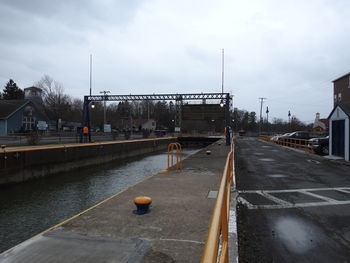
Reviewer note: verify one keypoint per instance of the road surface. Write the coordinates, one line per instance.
(292, 206)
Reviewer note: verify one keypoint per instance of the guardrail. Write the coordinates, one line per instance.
(264, 138)
(292, 142)
(179, 134)
(216, 245)
(296, 143)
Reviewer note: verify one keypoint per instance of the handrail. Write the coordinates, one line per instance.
(220, 217)
(296, 143)
(171, 147)
(304, 144)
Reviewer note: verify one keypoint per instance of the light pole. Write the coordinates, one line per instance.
(267, 119)
(289, 120)
(90, 74)
(104, 92)
(222, 73)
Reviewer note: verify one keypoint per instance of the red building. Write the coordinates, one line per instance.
(339, 119)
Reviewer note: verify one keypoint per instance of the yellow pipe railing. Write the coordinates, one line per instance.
(171, 148)
(220, 218)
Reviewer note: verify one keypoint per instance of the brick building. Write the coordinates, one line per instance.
(339, 118)
(341, 89)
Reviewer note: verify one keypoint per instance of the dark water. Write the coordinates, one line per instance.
(29, 208)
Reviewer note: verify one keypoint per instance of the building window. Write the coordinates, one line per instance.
(339, 96)
(28, 123)
(335, 97)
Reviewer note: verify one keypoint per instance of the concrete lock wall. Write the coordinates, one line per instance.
(25, 164)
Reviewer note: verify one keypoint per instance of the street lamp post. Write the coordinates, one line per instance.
(290, 125)
(104, 92)
(267, 119)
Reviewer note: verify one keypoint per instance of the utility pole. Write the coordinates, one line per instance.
(261, 105)
(267, 119)
(104, 92)
(90, 74)
(222, 72)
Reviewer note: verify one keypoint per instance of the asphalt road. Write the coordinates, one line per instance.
(292, 206)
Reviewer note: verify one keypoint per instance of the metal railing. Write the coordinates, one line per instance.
(178, 151)
(196, 134)
(303, 144)
(216, 245)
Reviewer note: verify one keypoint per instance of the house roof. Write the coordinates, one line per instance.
(325, 121)
(8, 107)
(347, 74)
(33, 88)
(345, 106)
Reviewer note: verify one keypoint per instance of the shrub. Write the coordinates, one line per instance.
(145, 133)
(127, 135)
(33, 138)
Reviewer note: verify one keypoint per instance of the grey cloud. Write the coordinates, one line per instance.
(77, 13)
(58, 22)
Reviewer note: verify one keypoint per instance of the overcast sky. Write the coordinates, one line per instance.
(286, 51)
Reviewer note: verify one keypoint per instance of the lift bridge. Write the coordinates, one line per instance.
(224, 98)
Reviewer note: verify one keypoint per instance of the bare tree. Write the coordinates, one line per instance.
(57, 105)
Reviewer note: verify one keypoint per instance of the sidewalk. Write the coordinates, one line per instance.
(174, 231)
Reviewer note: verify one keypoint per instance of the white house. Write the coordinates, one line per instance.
(144, 124)
(149, 124)
(339, 131)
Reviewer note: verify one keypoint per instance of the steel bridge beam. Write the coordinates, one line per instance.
(192, 96)
(179, 98)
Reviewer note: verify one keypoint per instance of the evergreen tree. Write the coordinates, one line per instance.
(12, 91)
(252, 123)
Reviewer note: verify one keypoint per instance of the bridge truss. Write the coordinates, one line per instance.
(224, 98)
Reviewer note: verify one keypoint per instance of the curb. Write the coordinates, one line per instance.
(232, 228)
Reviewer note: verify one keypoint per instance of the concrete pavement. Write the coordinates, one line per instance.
(174, 231)
(293, 206)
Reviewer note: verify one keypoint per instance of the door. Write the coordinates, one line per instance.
(338, 138)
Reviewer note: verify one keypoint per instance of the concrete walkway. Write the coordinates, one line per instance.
(174, 231)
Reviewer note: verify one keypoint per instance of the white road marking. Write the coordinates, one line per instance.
(318, 196)
(295, 190)
(282, 204)
(245, 202)
(312, 204)
(274, 198)
(343, 191)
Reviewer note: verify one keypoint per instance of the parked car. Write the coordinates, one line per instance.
(299, 135)
(320, 145)
(278, 136)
